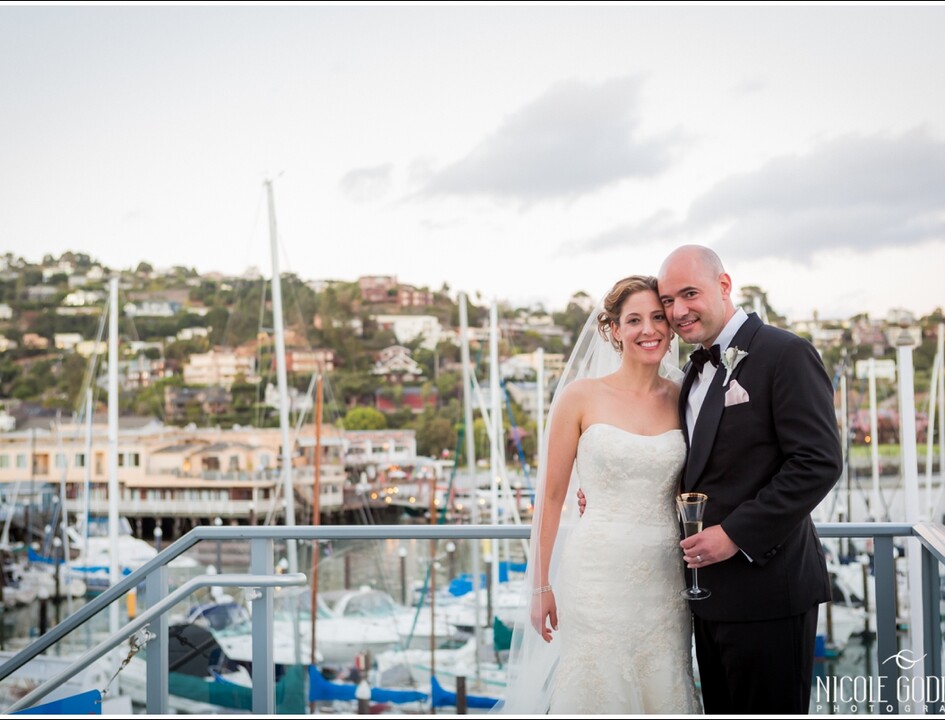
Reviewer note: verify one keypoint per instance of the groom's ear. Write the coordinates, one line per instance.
(725, 283)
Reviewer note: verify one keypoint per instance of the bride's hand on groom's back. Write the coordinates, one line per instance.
(582, 502)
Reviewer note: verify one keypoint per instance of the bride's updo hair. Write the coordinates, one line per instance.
(614, 301)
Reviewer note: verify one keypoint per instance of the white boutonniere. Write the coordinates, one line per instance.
(730, 360)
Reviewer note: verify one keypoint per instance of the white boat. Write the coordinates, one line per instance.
(508, 604)
(414, 628)
(42, 668)
(338, 640)
(398, 667)
(94, 559)
(24, 583)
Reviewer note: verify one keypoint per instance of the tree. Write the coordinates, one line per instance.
(71, 374)
(434, 435)
(364, 418)
(753, 294)
(572, 319)
(354, 388)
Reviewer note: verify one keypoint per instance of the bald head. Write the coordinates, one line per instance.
(696, 292)
(698, 258)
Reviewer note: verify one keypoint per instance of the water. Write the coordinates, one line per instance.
(855, 667)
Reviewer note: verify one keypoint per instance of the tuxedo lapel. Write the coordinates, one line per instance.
(703, 434)
(690, 377)
(707, 424)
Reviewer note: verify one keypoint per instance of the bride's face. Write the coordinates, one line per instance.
(643, 328)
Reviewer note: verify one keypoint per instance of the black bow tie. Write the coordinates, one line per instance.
(701, 356)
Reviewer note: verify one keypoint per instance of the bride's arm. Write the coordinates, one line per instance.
(563, 436)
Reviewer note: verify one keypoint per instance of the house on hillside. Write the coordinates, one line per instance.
(378, 288)
(395, 365)
(220, 367)
(411, 397)
(411, 327)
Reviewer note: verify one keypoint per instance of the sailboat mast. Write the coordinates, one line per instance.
(540, 400)
(941, 409)
(910, 481)
(874, 446)
(495, 466)
(114, 567)
(316, 504)
(471, 465)
(288, 490)
(87, 474)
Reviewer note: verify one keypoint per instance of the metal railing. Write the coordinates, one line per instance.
(154, 574)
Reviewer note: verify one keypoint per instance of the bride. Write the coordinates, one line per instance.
(610, 633)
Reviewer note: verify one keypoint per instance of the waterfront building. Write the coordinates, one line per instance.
(169, 476)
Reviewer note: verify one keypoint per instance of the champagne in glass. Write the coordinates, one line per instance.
(691, 508)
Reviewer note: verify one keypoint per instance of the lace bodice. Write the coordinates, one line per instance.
(630, 478)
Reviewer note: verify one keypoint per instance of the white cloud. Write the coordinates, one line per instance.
(858, 193)
(574, 139)
(368, 183)
(659, 227)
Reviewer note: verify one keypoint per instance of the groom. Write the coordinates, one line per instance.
(756, 406)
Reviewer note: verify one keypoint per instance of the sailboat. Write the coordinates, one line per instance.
(93, 563)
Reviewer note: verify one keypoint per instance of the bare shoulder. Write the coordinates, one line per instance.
(579, 392)
(671, 388)
(578, 396)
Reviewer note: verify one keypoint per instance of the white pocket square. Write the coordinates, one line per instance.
(736, 394)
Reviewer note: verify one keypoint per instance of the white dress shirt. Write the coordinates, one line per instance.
(700, 386)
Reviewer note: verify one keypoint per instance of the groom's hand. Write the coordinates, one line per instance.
(582, 502)
(710, 546)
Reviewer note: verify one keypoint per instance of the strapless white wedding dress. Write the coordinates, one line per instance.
(624, 629)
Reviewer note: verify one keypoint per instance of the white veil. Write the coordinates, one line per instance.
(532, 661)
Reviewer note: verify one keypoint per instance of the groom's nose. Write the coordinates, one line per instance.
(680, 310)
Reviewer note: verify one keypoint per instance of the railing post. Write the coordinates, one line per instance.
(155, 590)
(264, 670)
(932, 623)
(887, 644)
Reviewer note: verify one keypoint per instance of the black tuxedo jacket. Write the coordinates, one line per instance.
(765, 464)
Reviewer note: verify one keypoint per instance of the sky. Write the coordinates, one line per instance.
(516, 153)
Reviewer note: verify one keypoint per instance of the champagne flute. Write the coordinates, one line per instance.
(691, 507)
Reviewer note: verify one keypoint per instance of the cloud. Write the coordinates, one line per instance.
(574, 139)
(658, 227)
(369, 183)
(859, 193)
(750, 86)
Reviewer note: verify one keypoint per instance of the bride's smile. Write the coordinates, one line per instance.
(643, 324)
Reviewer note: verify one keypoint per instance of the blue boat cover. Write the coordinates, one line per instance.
(445, 698)
(87, 703)
(321, 689)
